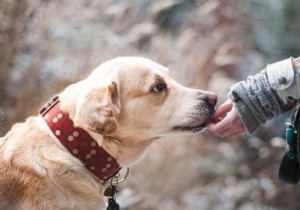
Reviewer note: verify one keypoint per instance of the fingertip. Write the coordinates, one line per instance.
(223, 109)
(211, 126)
(217, 120)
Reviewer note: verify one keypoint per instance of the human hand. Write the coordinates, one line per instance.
(230, 126)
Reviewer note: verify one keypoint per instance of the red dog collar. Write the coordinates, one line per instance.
(78, 142)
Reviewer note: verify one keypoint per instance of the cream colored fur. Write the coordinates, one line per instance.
(123, 108)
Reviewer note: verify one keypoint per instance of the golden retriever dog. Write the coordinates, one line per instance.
(61, 158)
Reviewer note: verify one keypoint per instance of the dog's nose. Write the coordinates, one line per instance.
(211, 98)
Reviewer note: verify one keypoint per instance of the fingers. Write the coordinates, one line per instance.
(223, 109)
(234, 135)
(222, 129)
(215, 120)
(225, 129)
(230, 126)
(232, 132)
(218, 127)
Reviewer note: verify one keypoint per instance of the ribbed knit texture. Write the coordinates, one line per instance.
(256, 101)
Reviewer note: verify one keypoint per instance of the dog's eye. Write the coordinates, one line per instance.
(159, 87)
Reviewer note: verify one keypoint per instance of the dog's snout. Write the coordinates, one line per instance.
(211, 99)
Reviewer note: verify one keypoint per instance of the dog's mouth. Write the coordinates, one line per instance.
(193, 129)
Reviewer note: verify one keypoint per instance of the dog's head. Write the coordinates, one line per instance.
(135, 97)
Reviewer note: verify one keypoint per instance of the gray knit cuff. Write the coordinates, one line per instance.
(256, 101)
(248, 120)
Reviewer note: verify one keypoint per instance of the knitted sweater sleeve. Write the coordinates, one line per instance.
(257, 100)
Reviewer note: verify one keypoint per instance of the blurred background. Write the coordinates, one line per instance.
(207, 44)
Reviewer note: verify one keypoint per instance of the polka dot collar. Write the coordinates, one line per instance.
(78, 142)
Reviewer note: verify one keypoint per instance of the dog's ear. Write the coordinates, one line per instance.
(97, 109)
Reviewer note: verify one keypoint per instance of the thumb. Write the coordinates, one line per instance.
(223, 109)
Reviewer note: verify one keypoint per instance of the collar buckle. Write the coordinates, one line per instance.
(54, 100)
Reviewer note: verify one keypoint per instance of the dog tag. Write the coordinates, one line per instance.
(110, 191)
(112, 204)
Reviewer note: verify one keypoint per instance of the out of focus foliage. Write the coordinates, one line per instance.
(207, 44)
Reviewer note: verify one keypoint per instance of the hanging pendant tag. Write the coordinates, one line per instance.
(112, 204)
(111, 191)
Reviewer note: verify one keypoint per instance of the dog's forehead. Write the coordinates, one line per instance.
(140, 75)
(129, 65)
(138, 64)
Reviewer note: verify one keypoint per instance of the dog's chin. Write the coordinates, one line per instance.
(190, 129)
(194, 127)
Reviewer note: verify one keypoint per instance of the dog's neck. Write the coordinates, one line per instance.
(78, 142)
